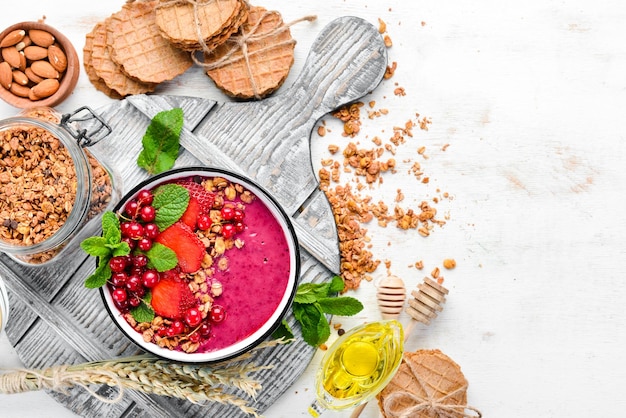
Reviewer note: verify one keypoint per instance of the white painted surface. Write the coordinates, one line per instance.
(530, 96)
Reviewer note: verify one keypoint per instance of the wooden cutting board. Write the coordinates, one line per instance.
(55, 320)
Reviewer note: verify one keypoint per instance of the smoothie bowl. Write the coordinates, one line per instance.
(212, 269)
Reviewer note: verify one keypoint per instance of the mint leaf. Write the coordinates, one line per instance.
(283, 331)
(100, 276)
(95, 246)
(310, 292)
(161, 142)
(343, 306)
(121, 248)
(143, 312)
(170, 202)
(111, 228)
(310, 318)
(336, 285)
(323, 328)
(161, 258)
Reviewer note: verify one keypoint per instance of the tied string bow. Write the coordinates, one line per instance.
(417, 404)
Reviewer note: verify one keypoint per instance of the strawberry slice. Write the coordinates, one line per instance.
(191, 213)
(171, 298)
(198, 192)
(187, 246)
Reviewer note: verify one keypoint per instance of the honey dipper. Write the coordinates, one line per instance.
(391, 294)
(423, 307)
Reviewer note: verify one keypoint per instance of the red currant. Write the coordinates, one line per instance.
(145, 197)
(227, 213)
(141, 292)
(147, 213)
(117, 264)
(131, 242)
(194, 338)
(170, 332)
(193, 317)
(205, 329)
(119, 295)
(239, 226)
(217, 313)
(122, 306)
(140, 260)
(144, 244)
(150, 278)
(125, 229)
(151, 231)
(162, 331)
(238, 215)
(135, 230)
(131, 208)
(204, 222)
(133, 283)
(177, 327)
(134, 301)
(228, 230)
(119, 279)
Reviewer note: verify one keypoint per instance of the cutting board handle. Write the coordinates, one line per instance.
(347, 61)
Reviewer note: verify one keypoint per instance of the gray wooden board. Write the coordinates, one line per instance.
(55, 320)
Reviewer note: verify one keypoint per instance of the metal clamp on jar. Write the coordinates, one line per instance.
(50, 185)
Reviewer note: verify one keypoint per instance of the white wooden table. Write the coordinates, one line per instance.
(530, 98)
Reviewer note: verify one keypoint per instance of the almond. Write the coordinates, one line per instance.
(13, 38)
(20, 78)
(19, 90)
(44, 69)
(57, 58)
(41, 37)
(32, 76)
(12, 56)
(6, 76)
(35, 53)
(22, 65)
(46, 88)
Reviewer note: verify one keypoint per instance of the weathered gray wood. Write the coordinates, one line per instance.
(56, 320)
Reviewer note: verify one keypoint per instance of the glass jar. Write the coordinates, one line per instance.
(50, 185)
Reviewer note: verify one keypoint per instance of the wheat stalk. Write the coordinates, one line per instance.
(197, 383)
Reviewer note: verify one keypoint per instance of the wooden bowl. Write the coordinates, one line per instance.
(68, 78)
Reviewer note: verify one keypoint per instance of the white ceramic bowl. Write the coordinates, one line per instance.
(286, 298)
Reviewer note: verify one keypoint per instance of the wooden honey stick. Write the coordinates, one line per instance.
(426, 303)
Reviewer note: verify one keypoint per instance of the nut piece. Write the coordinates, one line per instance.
(6, 75)
(57, 58)
(12, 38)
(46, 88)
(35, 53)
(12, 56)
(449, 263)
(41, 37)
(44, 69)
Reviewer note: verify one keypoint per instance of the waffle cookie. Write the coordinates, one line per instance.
(97, 61)
(267, 44)
(136, 45)
(184, 25)
(428, 384)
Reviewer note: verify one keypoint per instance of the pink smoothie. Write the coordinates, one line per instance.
(255, 280)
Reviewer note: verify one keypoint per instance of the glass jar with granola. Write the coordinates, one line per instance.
(50, 185)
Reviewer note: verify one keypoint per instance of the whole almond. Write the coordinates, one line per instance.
(57, 58)
(12, 56)
(44, 69)
(41, 37)
(32, 76)
(20, 78)
(35, 53)
(13, 38)
(19, 90)
(46, 88)
(6, 76)
(22, 65)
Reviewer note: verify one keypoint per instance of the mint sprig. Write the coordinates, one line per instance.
(161, 141)
(144, 312)
(108, 245)
(311, 304)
